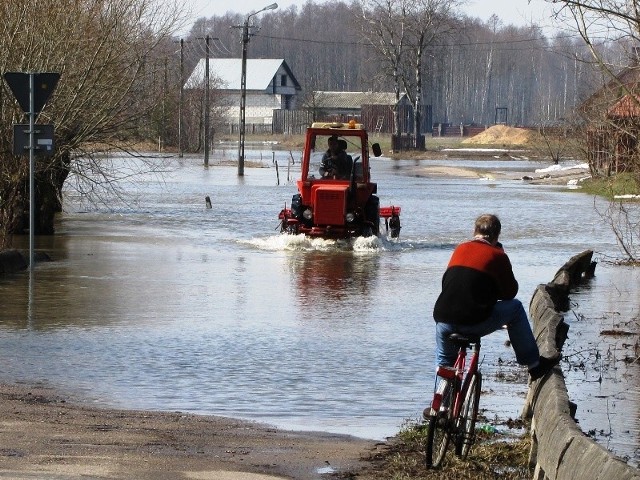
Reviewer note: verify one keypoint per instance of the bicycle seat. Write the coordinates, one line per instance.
(462, 340)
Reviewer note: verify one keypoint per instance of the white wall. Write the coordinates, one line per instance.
(258, 109)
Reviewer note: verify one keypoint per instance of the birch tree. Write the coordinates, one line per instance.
(401, 31)
(383, 24)
(429, 21)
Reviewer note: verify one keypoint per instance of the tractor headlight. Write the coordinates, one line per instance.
(350, 217)
(307, 214)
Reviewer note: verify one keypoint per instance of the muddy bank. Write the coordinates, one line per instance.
(552, 177)
(45, 435)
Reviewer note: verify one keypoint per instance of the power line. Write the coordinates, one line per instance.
(442, 45)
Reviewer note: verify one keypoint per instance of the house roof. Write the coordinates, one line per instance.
(228, 71)
(352, 100)
(614, 89)
(627, 107)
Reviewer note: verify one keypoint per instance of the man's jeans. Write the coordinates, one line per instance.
(506, 312)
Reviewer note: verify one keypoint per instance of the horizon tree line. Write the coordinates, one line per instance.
(122, 70)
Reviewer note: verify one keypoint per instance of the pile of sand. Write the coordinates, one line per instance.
(502, 135)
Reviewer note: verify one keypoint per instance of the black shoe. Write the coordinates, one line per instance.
(544, 367)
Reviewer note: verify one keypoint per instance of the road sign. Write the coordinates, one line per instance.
(43, 86)
(43, 139)
(32, 90)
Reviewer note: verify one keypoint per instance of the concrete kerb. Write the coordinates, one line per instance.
(616, 468)
(583, 460)
(559, 449)
(554, 431)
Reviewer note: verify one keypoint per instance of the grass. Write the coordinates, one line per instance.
(491, 457)
(608, 187)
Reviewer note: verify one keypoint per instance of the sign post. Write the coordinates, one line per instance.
(32, 168)
(32, 90)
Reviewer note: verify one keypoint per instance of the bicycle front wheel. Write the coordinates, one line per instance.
(466, 422)
(439, 429)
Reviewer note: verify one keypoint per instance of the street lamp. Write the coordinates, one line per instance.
(243, 86)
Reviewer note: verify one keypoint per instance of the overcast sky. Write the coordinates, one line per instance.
(517, 12)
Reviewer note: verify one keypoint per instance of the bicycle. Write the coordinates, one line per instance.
(454, 408)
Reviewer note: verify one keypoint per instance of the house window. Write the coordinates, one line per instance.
(283, 80)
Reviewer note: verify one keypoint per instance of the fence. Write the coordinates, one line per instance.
(250, 128)
(407, 142)
(291, 122)
(449, 130)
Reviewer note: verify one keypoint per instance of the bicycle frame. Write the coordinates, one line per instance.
(461, 377)
(454, 407)
(459, 366)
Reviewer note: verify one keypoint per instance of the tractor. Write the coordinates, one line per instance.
(336, 198)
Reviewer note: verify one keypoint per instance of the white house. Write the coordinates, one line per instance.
(270, 86)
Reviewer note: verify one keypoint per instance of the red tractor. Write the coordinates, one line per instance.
(336, 198)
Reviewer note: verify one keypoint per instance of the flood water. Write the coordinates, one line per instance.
(153, 301)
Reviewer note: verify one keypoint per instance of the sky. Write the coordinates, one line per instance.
(517, 12)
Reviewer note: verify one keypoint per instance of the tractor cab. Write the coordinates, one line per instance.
(336, 197)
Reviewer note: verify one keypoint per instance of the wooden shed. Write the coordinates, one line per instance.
(373, 109)
(612, 119)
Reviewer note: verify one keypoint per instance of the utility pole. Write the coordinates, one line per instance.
(243, 97)
(206, 105)
(243, 86)
(165, 91)
(180, 151)
(181, 100)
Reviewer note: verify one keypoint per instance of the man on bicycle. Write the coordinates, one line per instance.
(478, 298)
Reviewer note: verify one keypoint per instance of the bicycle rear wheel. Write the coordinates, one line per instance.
(466, 421)
(439, 428)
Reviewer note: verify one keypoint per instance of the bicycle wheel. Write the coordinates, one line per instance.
(439, 429)
(466, 421)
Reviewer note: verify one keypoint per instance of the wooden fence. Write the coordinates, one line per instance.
(375, 118)
(250, 129)
(407, 142)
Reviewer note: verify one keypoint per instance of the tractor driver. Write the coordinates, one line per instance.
(335, 163)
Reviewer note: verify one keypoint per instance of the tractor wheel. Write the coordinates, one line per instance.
(372, 214)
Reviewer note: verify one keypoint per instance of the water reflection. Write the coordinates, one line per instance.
(602, 352)
(164, 304)
(324, 281)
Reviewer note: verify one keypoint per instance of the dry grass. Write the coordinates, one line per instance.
(491, 457)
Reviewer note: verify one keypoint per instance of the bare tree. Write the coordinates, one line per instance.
(383, 24)
(612, 114)
(625, 224)
(106, 53)
(466, 72)
(430, 21)
(401, 31)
